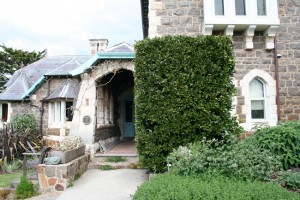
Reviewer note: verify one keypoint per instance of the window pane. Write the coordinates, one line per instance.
(257, 109)
(219, 7)
(240, 7)
(4, 112)
(256, 89)
(261, 7)
(69, 111)
(52, 111)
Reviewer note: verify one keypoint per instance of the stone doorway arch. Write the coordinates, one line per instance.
(100, 90)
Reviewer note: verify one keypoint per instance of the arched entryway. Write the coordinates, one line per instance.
(115, 106)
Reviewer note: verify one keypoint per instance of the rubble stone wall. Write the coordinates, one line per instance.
(56, 178)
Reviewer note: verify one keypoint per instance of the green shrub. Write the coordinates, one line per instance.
(183, 92)
(172, 187)
(25, 189)
(290, 179)
(241, 159)
(283, 140)
(14, 165)
(25, 122)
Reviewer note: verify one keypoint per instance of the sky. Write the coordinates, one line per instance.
(64, 27)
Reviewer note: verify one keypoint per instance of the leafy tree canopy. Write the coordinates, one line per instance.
(12, 59)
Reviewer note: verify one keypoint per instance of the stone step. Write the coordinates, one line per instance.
(130, 163)
(115, 155)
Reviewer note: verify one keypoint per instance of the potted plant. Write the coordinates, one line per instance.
(68, 149)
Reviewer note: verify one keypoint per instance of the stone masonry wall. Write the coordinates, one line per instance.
(175, 17)
(289, 63)
(245, 61)
(40, 94)
(34, 106)
(55, 178)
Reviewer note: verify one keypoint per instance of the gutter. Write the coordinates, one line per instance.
(101, 56)
(34, 87)
(277, 80)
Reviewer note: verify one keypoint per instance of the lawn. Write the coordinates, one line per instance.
(6, 179)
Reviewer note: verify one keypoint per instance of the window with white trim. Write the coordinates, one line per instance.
(242, 15)
(257, 99)
(60, 111)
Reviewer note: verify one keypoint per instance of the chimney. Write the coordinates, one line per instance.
(98, 45)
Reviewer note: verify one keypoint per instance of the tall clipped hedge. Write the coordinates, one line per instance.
(183, 92)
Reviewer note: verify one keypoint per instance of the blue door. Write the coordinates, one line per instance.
(129, 130)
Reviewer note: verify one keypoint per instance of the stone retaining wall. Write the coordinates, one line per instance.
(55, 178)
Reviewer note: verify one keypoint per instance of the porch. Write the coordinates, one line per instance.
(124, 148)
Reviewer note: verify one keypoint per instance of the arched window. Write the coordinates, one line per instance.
(257, 98)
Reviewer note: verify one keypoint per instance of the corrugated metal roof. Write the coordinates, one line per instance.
(66, 90)
(19, 87)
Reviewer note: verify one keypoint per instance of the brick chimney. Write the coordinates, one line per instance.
(98, 45)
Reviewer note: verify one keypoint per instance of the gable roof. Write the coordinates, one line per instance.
(122, 47)
(119, 51)
(26, 80)
(66, 90)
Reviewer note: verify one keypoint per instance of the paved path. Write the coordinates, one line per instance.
(95, 184)
(105, 185)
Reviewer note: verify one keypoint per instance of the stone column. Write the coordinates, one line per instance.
(106, 106)
(111, 108)
(100, 105)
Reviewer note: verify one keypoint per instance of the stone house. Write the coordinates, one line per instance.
(90, 96)
(266, 41)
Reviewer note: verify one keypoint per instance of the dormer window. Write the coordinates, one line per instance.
(219, 7)
(240, 8)
(261, 7)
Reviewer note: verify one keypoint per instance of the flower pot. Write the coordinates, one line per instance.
(67, 156)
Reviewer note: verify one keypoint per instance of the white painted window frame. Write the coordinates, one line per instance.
(271, 117)
(251, 11)
(266, 113)
(230, 18)
(57, 114)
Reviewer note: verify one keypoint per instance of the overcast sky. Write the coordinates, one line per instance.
(63, 27)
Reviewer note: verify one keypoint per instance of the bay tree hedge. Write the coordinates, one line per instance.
(183, 93)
